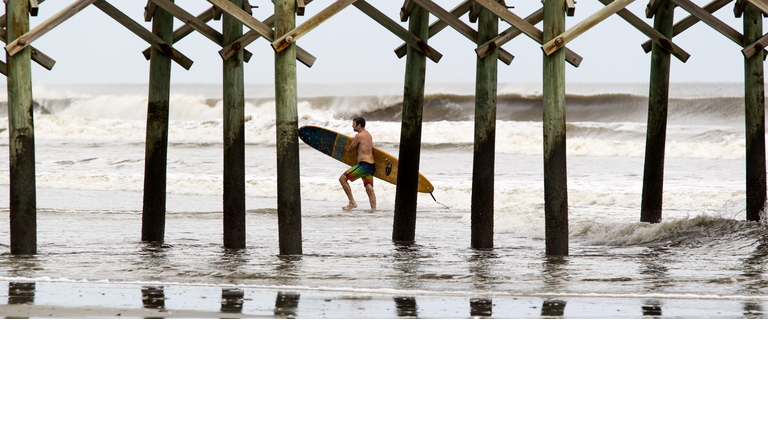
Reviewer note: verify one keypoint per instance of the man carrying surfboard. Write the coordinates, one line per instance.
(365, 167)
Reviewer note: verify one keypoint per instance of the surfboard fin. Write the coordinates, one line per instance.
(433, 197)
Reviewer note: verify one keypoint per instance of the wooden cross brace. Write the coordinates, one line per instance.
(458, 25)
(582, 27)
(524, 26)
(37, 56)
(399, 31)
(654, 34)
(196, 23)
(27, 38)
(259, 27)
(751, 49)
(437, 26)
(688, 22)
(292, 36)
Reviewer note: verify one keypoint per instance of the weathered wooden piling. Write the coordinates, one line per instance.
(483, 165)
(287, 115)
(404, 225)
(155, 163)
(658, 102)
(234, 137)
(21, 130)
(754, 104)
(555, 171)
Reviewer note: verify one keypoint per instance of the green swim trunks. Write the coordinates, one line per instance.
(362, 170)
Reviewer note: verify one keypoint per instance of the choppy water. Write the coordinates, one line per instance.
(90, 166)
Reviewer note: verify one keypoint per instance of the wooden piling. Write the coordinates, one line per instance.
(155, 163)
(21, 131)
(234, 137)
(485, 135)
(287, 134)
(404, 225)
(754, 104)
(555, 171)
(656, 135)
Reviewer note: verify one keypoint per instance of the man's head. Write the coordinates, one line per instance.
(358, 121)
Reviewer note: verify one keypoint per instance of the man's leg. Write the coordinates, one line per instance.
(371, 195)
(347, 190)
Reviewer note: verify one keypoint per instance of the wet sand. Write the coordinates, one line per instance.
(71, 300)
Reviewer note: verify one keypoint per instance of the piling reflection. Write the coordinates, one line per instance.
(482, 268)
(286, 305)
(21, 293)
(553, 308)
(554, 271)
(153, 298)
(652, 308)
(406, 307)
(288, 268)
(407, 260)
(480, 308)
(753, 310)
(232, 300)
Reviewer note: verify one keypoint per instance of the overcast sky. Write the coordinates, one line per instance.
(352, 48)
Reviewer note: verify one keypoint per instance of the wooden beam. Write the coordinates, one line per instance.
(474, 12)
(185, 30)
(149, 11)
(292, 36)
(651, 32)
(34, 6)
(761, 5)
(689, 21)
(508, 34)
(37, 56)
(248, 8)
(750, 50)
(398, 31)
(406, 10)
(217, 13)
(650, 10)
(259, 27)
(580, 28)
(300, 7)
(195, 23)
(243, 41)
(459, 25)
(439, 25)
(26, 39)
(570, 7)
(738, 8)
(527, 28)
(711, 21)
(3, 68)
(143, 33)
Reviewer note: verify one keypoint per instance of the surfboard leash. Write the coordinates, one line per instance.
(433, 197)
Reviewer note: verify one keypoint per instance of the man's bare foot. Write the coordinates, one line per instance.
(349, 206)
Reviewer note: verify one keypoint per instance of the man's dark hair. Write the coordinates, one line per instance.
(359, 120)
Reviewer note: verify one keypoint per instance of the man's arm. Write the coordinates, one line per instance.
(355, 142)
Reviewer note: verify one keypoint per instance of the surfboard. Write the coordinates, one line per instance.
(335, 145)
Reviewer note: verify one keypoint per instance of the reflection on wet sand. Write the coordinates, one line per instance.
(232, 300)
(480, 308)
(406, 307)
(553, 308)
(153, 298)
(286, 305)
(753, 310)
(21, 293)
(652, 308)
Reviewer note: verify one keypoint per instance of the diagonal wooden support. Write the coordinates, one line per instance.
(196, 24)
(649, 31)
(405, 11)
(711, 21)
(527, 28)
(459, 25)
(263, 30)
(27, 38)
(230, 50)
(143, 33)
(653, 6)
(580, 28)
(400, 32)
(37, 56)
(508, 34)
(149, 11)
(322, 16)
(3, 68)
(438, 25)
(185, 30)
(689, 21)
